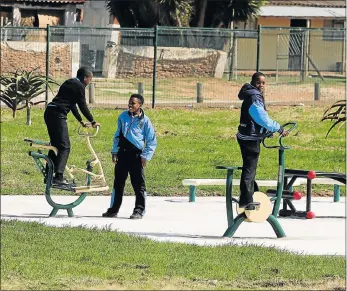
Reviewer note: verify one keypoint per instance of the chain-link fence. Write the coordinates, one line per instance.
(174, 66)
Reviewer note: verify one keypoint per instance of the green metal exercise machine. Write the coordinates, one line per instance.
(46, 167)
(266, 211)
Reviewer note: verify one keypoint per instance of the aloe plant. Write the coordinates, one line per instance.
(336, 113)
(23, 86)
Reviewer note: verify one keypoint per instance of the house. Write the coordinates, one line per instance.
(59, 13)
(286, 44)
(39, 13)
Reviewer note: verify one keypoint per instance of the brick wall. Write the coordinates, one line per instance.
(123, 62)
(29, 55)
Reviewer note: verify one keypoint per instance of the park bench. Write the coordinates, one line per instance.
(194, 183)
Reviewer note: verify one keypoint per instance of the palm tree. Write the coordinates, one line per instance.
(148, 13)
(222, 13)
(195, 13)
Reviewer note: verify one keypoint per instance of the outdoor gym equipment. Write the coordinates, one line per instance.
(293, 174)
(265, 211)
(46, 167)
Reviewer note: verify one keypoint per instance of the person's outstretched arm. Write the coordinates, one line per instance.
(261, 117)
(82, 104)
(75, 112)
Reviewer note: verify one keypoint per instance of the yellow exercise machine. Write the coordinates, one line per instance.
(95, 182)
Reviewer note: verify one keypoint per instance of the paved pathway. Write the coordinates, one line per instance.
(203, 222)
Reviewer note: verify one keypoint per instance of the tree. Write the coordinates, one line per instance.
(148, 13)
(336, 113)
(195, 13)
(22, 86)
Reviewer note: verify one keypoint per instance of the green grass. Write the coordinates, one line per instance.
(191, 142)
(183, 90)
(35, 257)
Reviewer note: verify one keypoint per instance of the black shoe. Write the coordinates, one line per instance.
(136, 215)
(60, 181)
(252, 206)
(109, 214)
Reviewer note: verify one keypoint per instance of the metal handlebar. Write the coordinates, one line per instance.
(86, 133)
(293, 125)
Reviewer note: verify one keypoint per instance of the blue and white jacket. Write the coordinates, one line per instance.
(254, 120)
(138, 130)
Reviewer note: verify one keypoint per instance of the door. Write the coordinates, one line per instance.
(296, 44)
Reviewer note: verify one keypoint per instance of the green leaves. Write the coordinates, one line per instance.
(336, 113)
(182, 13)
(22, 86)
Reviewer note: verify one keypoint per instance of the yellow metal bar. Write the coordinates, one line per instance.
(45, 147)
(88, 189)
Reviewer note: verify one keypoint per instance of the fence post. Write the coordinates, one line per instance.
(199, 93)
(91, 93)
(316, 91)
(140, 88)
(258, 48)
(155, 64)
(306, 52)
(47, 62)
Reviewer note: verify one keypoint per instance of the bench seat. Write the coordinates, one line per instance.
(193, 183)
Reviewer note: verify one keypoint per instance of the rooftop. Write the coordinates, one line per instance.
(308, 3)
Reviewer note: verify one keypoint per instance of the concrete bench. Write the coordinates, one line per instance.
(325, 181)
(193, 183)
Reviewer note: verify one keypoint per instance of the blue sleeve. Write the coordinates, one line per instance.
(150, 141)
(116, 137)
(262, 118)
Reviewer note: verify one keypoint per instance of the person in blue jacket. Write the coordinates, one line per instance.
(134, 144)
(255, 123)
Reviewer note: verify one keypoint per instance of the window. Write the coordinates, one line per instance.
(333, 30)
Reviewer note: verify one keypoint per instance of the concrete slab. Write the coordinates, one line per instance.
(175, 219)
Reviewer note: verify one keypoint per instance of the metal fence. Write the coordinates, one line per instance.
(174, 66)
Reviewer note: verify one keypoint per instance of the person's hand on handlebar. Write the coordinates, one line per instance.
(83, 124)
(95, 124)
(284, 133)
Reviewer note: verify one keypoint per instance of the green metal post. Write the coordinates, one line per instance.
(236, 223)
(276, 226)
(192, 191)
(280, 182)
(228, 197)
(49, 175)
(336, 193)
(47, 61)
(155, 64)
(258, 48)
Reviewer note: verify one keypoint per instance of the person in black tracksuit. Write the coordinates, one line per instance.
(255, 123)
(70, 94)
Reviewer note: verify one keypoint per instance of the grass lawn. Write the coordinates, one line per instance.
(35, 257)
(191, 142)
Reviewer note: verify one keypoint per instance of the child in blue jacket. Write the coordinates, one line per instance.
(254, 124)
(134, 144)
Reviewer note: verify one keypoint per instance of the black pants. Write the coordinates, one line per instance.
(59, 138)
(250, 151)
(129, 162)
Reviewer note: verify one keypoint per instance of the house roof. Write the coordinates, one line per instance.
(302, 12)
(308, 3)
(53, 1)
